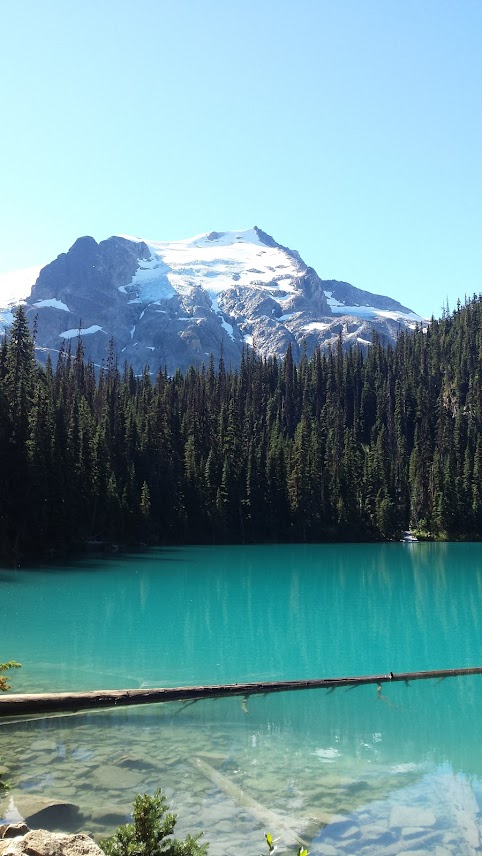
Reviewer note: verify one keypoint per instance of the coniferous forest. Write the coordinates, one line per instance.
(342, 446)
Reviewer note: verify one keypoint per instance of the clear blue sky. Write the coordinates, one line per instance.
(350, 130)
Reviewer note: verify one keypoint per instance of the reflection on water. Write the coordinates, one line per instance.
(220, 615)
(350, 771)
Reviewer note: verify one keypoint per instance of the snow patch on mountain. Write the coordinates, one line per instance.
(51, 303)
(70, 334)
(317, 325)
(6, 319)
(219, 261)
(150, 283)
(226, 326)
(369, 312)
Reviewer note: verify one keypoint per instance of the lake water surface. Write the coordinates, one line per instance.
(348, 772)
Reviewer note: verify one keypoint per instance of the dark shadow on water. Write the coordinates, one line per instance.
(92, 561)
(161, 713)
(7, 578)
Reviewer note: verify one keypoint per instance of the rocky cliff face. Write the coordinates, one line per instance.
(173, 304)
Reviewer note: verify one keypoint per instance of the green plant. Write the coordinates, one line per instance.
(151, 832)
(4, 667)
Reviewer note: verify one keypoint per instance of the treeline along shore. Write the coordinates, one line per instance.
(342, 446)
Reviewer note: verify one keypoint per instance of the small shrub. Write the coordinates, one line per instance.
(151, 832)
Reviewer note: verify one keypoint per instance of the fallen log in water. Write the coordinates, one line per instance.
(289, 828)
(16, 704)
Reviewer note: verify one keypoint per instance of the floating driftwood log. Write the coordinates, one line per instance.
(16, 704)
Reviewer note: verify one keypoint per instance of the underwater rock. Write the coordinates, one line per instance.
(142, 765)
(403, 816)
(325, 849)
(117, 778)
(39, 810)
(110, 816)
(43, 746)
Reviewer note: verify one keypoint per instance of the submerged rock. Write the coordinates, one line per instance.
(44, 746)
(411, 817)
(114, 777)
(39, 810)
(110, 816)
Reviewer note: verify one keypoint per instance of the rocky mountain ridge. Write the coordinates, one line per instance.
(173, 304)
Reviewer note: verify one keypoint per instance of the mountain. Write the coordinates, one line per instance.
(173, 304)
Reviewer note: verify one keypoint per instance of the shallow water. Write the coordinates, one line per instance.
(348, 772)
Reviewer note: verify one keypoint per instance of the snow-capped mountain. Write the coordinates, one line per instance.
(173, 304)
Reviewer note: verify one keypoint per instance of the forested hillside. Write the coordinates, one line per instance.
(341, 446)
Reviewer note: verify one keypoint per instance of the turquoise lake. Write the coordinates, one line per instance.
(350, 771)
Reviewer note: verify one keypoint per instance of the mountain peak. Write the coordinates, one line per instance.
(174, 303)
(266, 239)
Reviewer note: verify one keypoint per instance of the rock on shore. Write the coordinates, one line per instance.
(16, 839)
